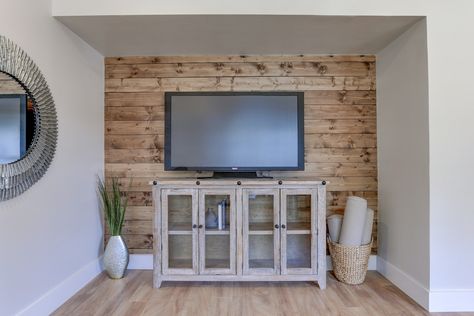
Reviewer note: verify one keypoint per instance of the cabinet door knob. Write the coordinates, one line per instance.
(200, 226)
(195, 226)
(283, 226)
(239, 183)
(276, 226)
(280, 182)
(198, 182)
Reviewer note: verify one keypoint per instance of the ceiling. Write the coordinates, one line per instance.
(237, 34)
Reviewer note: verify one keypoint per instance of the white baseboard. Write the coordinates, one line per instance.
(141, 262)
(405, 282)
(55, 297)
(145, 262)
(461, 300)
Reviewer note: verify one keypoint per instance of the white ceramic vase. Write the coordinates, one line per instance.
(116, 257)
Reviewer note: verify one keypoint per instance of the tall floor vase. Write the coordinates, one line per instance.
(116, 257)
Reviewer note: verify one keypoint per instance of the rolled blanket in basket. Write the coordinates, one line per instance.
(354, 221)
(334, 226)
(369, 221)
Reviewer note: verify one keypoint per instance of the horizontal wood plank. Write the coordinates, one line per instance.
(239, 84)
(144, 213)
(249, 69)
(136, 113)
(316, 112)
(312, 126)
(134, 127)
(367, 155)
(134, 142)
(128, 155)
(236, 58)
(340, 141)
(134, 99)
(339, 97)
(311, 141)
(321, 97)
(322, 169)
(312, 155)
(343, 126)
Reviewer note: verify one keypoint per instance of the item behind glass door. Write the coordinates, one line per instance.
(211, 218)
(221, 214)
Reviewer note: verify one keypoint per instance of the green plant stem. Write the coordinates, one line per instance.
(114, 205)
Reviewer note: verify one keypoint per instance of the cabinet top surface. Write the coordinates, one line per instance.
(237, 182)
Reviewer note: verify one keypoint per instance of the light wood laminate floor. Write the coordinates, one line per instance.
(134, 295)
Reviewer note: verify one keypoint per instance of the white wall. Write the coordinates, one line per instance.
(403, 162)
(451, 156)
(50, 237)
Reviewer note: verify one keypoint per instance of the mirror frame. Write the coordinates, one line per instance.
(20, 175)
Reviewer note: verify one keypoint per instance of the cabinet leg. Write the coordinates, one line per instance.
(157, 283)
(322, 281)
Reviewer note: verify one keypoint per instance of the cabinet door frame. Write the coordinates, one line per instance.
(232, 270)
(313, 233)
(246, 234)
(165, 193)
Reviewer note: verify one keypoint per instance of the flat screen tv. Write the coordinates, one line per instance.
(234, 131)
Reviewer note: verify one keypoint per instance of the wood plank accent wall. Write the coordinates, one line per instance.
(340, 120)
(9, 86)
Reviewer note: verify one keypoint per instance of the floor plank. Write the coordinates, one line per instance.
(134, 295)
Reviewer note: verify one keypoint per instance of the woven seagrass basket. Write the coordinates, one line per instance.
(350, 263)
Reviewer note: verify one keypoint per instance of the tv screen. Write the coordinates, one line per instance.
(236, 131)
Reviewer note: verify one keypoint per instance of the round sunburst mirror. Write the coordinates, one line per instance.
(28, 121)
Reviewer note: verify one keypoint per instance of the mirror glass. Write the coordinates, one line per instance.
(17, 120)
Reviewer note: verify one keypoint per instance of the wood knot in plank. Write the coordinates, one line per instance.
(179, 68)
(320, 68)
(156, 142)
(342, 96)
(237, 70)
(261, 68)
(287, 67)
(135, 71)
(219, 66)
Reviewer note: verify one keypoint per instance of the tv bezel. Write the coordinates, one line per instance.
(234, 169)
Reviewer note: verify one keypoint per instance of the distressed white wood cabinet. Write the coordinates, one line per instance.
(273, 230)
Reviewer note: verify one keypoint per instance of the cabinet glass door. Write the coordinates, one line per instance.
(261, 231)
(179, 231)
(298, 231)
(217, 231)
